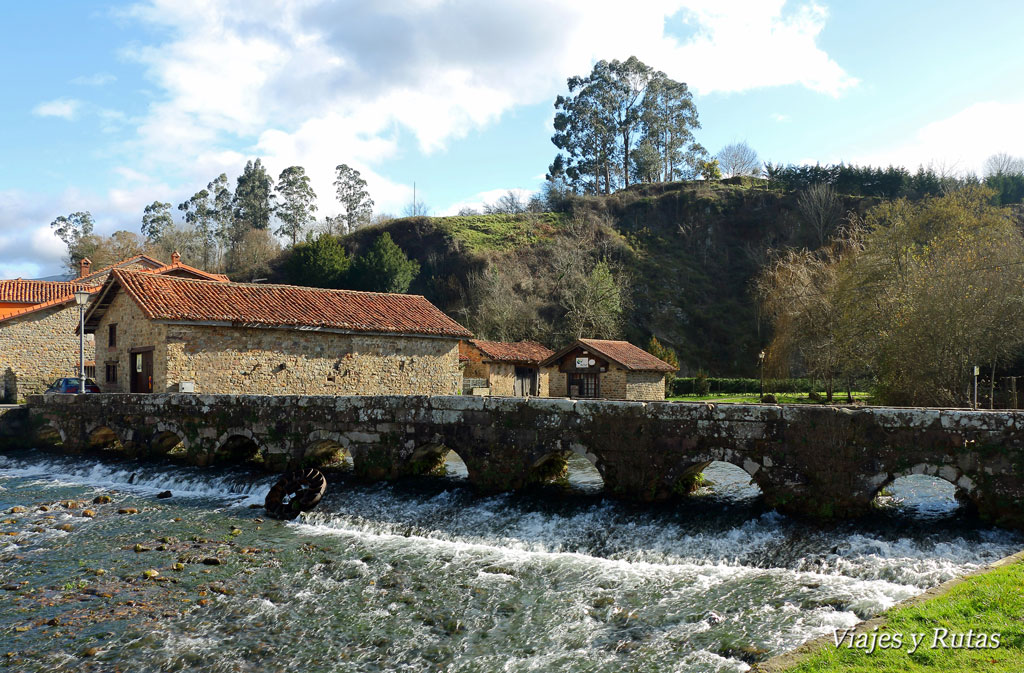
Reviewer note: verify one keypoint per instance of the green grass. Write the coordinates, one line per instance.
(783, 398)
(483, 233)
(990, 603)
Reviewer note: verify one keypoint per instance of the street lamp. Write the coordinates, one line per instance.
(81, 298)
(760, 360)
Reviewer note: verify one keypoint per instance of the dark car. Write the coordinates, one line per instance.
(71, 386)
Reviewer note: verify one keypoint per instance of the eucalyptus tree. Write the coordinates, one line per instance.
(356, 204)
(156, 221)
(297, 206)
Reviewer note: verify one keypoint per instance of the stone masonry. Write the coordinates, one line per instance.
(39, 347)
(280, 361)
(815, 461)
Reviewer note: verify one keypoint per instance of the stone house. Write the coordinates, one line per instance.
(596, 368)
(156, 333)
(509, 369)
(39, 324)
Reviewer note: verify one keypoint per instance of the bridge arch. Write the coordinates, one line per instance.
(102, 436)
(166, 438)
(323, 447)
(687, 479)
(964, 488)
(573, 463)
(237, 445)
(51, 434)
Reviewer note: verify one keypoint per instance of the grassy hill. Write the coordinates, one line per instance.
(690, 251)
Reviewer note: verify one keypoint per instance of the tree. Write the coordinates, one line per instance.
(73, 229)
(647, 162)
(295, 211)
(821, 209)
(916, 295)
(1003, 164)
(664, 354)
(249, 258)
(356, 204)
(156, 219)
(738, 159)
(708, 169)
(322, 262)
(253, 201)
(669, 118)
(510, 203)
(415, 208)
(384, 267)
(199, 214)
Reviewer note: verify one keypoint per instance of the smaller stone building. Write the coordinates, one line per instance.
(39, 324)
(509, 369)
(596, 368)
(157, 333)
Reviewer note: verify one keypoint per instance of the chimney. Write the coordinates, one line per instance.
(175, 258)
(85, 264)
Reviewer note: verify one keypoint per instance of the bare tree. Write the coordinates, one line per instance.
(821, 208)
(1003, 164)
(738, 159)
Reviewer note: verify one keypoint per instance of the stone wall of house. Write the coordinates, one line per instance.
(475, 367)
(558, 382)
(645, 386)
(286, 361)
(613, 382)
(38, 348)
(134, 330)
(503, 379)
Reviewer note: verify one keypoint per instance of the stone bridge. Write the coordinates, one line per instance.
(810, 460)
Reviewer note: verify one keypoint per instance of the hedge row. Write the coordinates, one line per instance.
(692, 386)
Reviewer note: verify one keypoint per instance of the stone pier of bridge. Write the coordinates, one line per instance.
(819, 461)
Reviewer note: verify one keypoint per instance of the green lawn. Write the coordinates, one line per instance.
(989, 604)
(783, 398)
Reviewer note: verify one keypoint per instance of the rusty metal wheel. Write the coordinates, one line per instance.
(295, 492)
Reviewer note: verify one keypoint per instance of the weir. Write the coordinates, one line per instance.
(818, 461)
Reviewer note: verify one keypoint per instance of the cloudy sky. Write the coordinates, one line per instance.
(109, 106)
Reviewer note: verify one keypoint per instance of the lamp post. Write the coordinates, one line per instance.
(760, 360)
(81, 298)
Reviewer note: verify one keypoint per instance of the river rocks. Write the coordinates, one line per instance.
(150, 574)
(88, 513)
(66, 527)
(236, 531)
(128, 510)
(69, 504)
(163, 494)
(211, 561)
(90, 651)
(101, 500)
(140, 548)
(17, 509)
(43, 508)
(178, 566)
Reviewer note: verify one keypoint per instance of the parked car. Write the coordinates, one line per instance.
(70, 386)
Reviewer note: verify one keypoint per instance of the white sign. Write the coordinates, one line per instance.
(977, 370)
(582, 363)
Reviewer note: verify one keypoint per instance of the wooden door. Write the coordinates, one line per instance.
(526, 382)
(142, 372)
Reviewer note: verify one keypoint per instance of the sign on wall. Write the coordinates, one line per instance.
(582, 363)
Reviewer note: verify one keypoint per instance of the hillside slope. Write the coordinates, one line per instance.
(690, 251)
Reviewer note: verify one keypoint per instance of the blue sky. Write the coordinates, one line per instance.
(110, 106)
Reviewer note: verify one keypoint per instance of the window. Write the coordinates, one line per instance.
(583, 385)
(112, 336)
(90, 371)
(111, 372)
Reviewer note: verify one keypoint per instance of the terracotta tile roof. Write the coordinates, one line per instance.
(94, 276)
(164, 297)
(36, 291)
(621, 352)
(92, 289)
(526, 352)
(204, 275)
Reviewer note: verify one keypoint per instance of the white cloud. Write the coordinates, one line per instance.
(95, 79)
(781, 118)
(960, 142)
(65, 108)
(318, 83)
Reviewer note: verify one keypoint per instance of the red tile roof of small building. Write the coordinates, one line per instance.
(163, 297)
(94, 275)
(65, 299)
(622, 352)
(36, 291)
(526, 352)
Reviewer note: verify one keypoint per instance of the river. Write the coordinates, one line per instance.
(426, 575)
